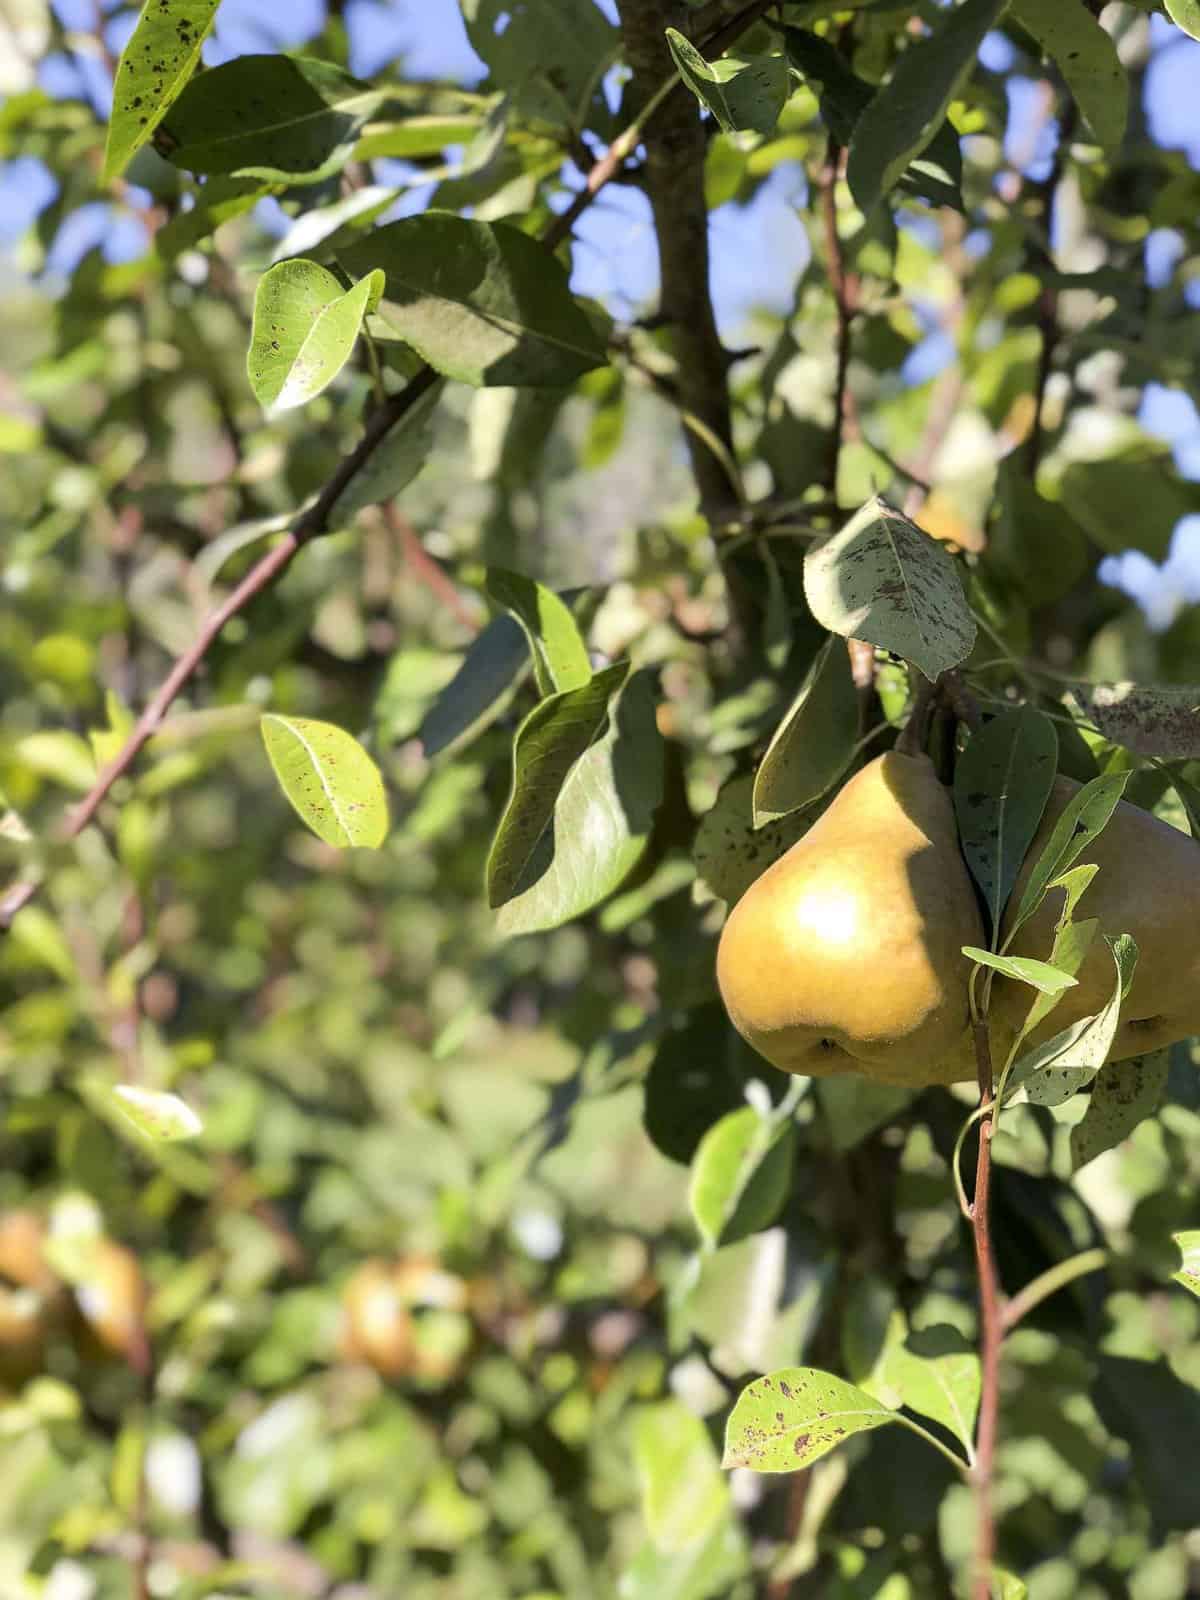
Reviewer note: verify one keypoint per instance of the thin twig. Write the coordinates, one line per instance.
(426, 569)
(991, 1327)
(1050, 1282)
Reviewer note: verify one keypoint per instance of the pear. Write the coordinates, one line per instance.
(846, 954)
(1148, 885)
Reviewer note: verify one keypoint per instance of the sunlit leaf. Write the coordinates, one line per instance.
(1149, 719)
(740, 1175)
(1124, 1094)
(1052, 1072)
(1040, 974)
(884, 580)
(1185, 14)
(789, 1419)
(305, 328)
(683, 1493)
(1081, 821)
(482, 302)
(156, 63)
(160, 1116)
(329, 778)
(560, 658)
(936, 1373)
(1189, 1251)
(1086, 55)
(741, 93)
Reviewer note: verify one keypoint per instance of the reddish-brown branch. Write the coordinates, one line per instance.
(316, 519)
(426, 569)
(991, 1330)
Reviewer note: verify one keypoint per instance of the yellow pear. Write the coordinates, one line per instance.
(846, 954)
(1148, 885)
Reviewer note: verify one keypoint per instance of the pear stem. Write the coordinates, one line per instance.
(991, 1326)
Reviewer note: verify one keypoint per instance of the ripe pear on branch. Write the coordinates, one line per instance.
(846, 954)
(1148, 886)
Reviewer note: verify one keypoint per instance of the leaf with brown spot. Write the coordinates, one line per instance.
(822, 1411)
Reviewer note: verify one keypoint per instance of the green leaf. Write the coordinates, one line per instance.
(1149, 719)
(730, 852)
(1081, 821)
(1072, 941)
(162, 51)
(560, 657)
(1124, 1094)
(1033, 543)
(885, 580)
(587, 780)
(683, 1494)
(1087, 57)
(1052, 1072)
(934, 1372)
(1001, 784)
(1040, 974)
(329, 778)
(395, 462)
(305, 328)
(789, 1419)
(312, 229)
(1185, 14)
(902, 119)
(288, 118)
(853, 1107)
(492, 669)
(482, 302)
(1189, 1251)
(742, 93)
(814, 743)
(1158, 1415)
(740, 1177)
(161, 1117)
(39, 938)
(692, 1083)
(1124, 502)
(548, 55)
(843, 97)
(1007, 1586)
(59, 755)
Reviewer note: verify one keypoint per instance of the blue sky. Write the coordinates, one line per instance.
(758, 249)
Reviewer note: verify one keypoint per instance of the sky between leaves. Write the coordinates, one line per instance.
(758, 250)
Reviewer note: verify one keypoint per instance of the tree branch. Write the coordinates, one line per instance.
(991, 1327)
(674, 169)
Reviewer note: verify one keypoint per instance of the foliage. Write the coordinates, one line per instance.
(387, 1206)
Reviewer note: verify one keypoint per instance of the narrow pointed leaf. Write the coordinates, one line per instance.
(329, 778)
(305, 328)
(1072, 941)
(903, 117)
(1001, 785)
(1040, 974)
(156, 63)
(1082, 820)
(1052, 1072)
(1085, 54)
(885, 580)
(814, 743)
(560, 657)
(289, 118)
(482, 302)
(1124, 1094)
(790, 1419)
